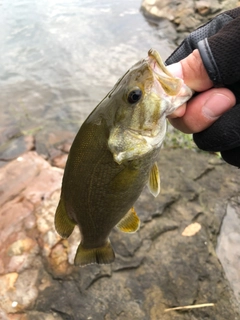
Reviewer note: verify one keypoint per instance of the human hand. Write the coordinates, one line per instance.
(205, 108)
(209, 62)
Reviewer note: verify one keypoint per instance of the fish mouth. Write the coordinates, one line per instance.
(170, 84)
(156, 63)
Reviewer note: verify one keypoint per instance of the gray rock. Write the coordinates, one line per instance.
(185, 15)
(13, 148)
(228, 245)
(158, 267)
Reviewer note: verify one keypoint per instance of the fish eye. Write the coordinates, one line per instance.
(134, 95)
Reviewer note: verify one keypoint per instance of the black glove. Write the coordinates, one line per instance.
(218, 43)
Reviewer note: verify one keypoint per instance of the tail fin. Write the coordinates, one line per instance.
(101, 255)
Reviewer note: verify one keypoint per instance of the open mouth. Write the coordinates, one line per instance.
(157, 64)
(170, 84)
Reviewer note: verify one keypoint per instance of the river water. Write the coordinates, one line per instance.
(59, 58)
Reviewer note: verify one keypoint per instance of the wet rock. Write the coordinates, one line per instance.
(15, 147)
(53, 144)
(8, 133)
(164, 265)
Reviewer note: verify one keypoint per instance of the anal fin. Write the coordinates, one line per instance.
(63, 224)
(154, 180)
(130, 222)
(101, 255)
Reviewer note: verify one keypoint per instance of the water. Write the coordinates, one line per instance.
(59, 58)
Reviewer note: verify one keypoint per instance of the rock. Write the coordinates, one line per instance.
(15, 147)
(60, 161)
(203, 7)
(66, 146)
(49, 143)
(24, 184)
(185, 15)
(158, 267)
(228, 245)
(59, 154)
(9, 132)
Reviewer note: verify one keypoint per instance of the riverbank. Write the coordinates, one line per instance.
(170, 262)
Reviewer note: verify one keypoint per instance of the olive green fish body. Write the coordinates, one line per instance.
(96, 190)
(113, 157)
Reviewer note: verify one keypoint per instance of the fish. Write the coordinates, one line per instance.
(114, 155)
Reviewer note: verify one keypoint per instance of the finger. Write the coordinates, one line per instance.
(204, 109)
(179, 112)
(192, 71)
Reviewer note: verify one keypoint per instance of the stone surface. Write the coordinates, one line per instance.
(13, 148)
(228, 249)
(185, 15)
(158, 267)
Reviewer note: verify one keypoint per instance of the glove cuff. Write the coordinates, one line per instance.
(209, 62)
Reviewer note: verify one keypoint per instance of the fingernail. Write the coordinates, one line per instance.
(216, 105)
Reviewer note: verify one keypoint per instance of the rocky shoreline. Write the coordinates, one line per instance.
(185, 16)
(170, 262)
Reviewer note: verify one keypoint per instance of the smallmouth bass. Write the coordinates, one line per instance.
(113, 156)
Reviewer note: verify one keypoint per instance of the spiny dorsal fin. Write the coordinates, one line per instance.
(63, 224)
(130, 222)
(154, 180)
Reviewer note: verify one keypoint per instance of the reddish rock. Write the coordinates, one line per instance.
(65, 147)
(25, 183)
(60, 161)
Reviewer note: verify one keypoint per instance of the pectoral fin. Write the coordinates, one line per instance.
(154, 180)
(63, 224)
(130, 222)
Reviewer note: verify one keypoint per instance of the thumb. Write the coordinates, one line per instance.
(204, 109)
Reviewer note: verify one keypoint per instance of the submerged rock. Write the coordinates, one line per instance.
(161, 266)
(13, 148)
